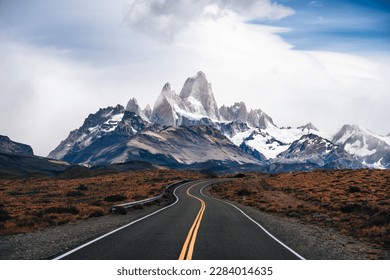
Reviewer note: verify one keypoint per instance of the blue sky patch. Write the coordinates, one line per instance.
(351, 26)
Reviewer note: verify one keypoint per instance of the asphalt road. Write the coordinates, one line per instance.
(195, 227)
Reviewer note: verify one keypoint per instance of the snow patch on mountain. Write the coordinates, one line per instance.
(370, 148)
(272, 140)
(313, 149)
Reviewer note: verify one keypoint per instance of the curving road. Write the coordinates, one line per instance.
(194, 227)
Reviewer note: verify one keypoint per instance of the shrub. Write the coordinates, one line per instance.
(115, 198)
(97, 203)
(4, 215)
(354, 189)
(379, 219)
(239, 175)
(96, 213)
(15, 193)
(243, 192)
(348, 208)
(120, 210)
(82, 188)
(26, 221)
(62, 210)
(74, 194)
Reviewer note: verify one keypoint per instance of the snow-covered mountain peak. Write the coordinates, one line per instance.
(348, 131)
(167, 87)
(195, 89)
(132, 106)
(308, 127)
(372, 149)
(95, 126)
(188, 128)
(195, 103)
(313, 149)
(237, 112)
(164, 111)
(257, 118)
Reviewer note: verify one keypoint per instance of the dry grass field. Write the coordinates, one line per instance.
(31, 204)
(355, 203)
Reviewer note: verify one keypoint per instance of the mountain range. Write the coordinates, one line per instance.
(189, 129)
(18, 159)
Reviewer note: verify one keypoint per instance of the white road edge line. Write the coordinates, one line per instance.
(118, 229)
(266, 231)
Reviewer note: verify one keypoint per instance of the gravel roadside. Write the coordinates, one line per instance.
(310, 241)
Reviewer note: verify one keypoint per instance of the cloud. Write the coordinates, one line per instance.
(48, 87)
(252, 63)
(166, 18)
(45, 94)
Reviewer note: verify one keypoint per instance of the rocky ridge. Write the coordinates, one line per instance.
(114, 135)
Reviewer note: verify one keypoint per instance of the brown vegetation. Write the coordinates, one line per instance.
(356, 203)
(30, 204)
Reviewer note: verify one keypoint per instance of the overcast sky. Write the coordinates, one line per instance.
(327, 61)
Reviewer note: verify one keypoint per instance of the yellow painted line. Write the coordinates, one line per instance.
(189, 244)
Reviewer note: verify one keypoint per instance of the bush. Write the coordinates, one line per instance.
(4, 215)
(26, 221)
(97, 203)
(243, 192)
(96, 213)
(62, 210)
(354, 189)
(74, 194)
(82, 188)
(120, 210)
(115, 198)
(379, 219)
(15, 193)
(349, 208)
(240, 175)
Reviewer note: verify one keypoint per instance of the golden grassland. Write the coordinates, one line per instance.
(31, 204)
(355, 203)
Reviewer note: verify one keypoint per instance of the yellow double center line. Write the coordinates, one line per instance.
(188, 247)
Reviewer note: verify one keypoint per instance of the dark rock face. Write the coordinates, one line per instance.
(95, 126)
(171, 147)
(253, 152)
(232, 128)
(7, 146)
